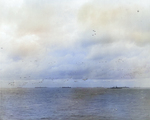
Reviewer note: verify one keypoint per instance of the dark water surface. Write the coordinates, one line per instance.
(74, 104)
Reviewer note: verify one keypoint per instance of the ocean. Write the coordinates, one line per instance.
(74, 104)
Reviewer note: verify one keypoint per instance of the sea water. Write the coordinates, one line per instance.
(74, 104)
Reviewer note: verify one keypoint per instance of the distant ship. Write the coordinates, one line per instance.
(40, 87)
(66, 87)
(118, 87)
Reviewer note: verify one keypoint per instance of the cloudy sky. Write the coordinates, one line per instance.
(74, 42)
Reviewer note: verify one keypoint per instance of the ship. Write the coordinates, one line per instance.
(40, 87)
(66, 87)
(118, 87)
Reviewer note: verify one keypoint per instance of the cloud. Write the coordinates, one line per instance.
(117, 22)
(33, 27)
(74, 40)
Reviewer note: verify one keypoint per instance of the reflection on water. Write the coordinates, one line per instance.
(85, 93)
(74, 104)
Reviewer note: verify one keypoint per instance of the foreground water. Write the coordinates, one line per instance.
(74, 104)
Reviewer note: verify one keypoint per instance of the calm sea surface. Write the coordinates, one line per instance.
(74, 104)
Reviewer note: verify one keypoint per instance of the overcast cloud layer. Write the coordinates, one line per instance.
(69, 40)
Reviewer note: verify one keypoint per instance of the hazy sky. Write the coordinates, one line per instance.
(74, 42)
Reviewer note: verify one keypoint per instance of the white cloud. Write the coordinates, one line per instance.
(63, 39)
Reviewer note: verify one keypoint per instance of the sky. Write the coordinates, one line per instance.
(88, 43)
